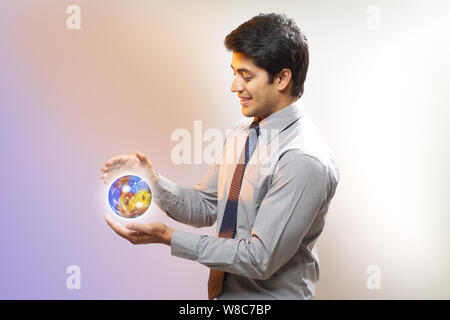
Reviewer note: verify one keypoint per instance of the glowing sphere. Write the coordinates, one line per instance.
(129, 196)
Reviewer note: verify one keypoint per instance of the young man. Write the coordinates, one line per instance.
(268, 216)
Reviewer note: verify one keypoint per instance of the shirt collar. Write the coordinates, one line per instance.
(276, 122)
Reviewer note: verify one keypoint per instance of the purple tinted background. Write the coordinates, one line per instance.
(135, 72)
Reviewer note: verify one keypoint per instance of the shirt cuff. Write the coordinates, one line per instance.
(185, 245)
(162, 186)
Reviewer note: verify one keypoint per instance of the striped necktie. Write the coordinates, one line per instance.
(228, 226)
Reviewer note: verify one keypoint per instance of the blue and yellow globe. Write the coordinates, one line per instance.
(129, 196)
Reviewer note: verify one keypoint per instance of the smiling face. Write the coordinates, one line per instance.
(251, 82)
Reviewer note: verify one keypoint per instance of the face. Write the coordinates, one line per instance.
(251, 82)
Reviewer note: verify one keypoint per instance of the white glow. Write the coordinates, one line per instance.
(126, 188)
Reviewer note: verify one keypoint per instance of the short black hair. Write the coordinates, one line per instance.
(273, 42)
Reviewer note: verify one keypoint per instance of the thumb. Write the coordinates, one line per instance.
(154, 176)
(143, 158)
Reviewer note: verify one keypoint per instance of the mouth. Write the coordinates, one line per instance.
(245, 101)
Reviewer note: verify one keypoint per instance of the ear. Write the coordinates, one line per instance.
(283, 78)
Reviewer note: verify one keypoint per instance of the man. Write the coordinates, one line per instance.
(269, 214)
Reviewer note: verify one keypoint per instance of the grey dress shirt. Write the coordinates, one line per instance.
(281, 210)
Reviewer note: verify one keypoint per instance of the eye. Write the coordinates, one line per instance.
(243, 76)
(246, 76)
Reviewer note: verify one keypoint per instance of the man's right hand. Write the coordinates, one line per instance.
(138, 163)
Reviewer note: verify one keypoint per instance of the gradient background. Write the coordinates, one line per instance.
(138, 70)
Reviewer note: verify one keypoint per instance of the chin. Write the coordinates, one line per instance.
(247, 112)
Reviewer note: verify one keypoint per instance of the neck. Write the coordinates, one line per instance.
(282, 103)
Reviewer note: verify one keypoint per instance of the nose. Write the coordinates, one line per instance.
(236, 85)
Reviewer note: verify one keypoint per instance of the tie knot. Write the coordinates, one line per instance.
(255, 122)
(255, 126)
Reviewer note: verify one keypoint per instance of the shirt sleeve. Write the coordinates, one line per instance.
(196, 206)
(294, 198)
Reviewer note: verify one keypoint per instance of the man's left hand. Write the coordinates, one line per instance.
(138, 233)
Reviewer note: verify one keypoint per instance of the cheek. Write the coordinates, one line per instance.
(252, 89)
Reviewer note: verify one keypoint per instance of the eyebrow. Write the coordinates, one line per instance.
(242, 70)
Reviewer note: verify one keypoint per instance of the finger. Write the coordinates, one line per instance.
(114, 166)
(108, 175)
(142, 228)
(105, 178)
(105, 169)
(111, 223)
(143, 239)
(137, 234)
(112, 174)
(117, 226)
(115, 161)
(113, 170)
(121, 231)
(143, 158)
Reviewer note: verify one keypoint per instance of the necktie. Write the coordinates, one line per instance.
(228, 226)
